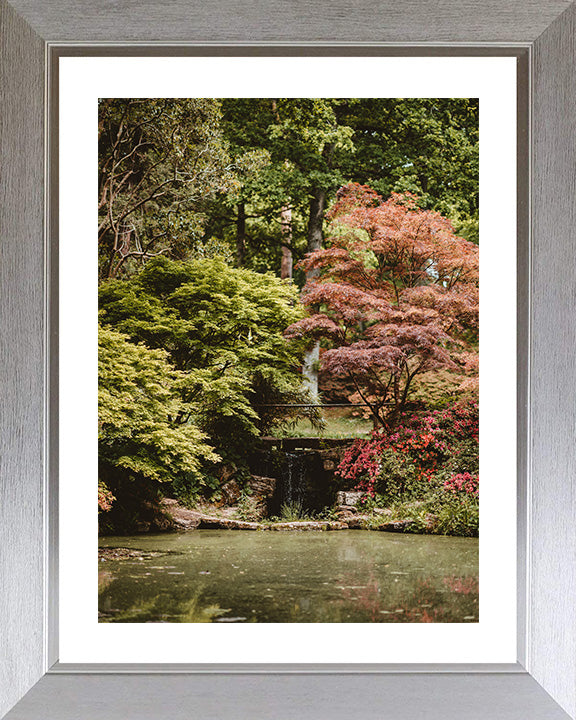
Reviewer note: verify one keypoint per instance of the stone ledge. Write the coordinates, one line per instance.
(309, 525)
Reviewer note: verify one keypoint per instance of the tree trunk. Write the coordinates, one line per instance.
(240, 234)
(316, 221)
(315, 237)
(286, 230)
(310, 371)
(317, 207)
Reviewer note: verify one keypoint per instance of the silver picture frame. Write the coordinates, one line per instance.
(33, 684)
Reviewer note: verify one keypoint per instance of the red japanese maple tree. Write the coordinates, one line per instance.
(394, 294)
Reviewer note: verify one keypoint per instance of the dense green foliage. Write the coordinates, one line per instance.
(222, 329)
(177, 176)
(138, 409)
(140, 442)
(298, 152)
(428, 147)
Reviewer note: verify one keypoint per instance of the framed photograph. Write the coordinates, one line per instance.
(282, 469)
(508, 650)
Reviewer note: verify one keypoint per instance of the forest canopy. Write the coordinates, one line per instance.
(252, 178)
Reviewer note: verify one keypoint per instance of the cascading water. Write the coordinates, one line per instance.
(293, 481)
(303, 471)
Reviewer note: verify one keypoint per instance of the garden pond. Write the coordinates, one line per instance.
(264, 576)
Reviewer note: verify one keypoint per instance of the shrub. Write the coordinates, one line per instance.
(454, 514)
(431, 457)
(399, 477)
(462, 485)
(137, 407)
(141, 447)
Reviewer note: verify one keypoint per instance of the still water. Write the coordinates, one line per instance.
(344, 576)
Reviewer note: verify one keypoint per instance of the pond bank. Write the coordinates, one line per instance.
(345, 518)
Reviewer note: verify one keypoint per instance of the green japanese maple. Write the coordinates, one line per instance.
(223, 329)
(138, 407)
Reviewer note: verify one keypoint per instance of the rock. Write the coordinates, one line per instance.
(227, 471)
(186, 519)
(329, 464)
(357, 522)
(348, 497)
(345, 515)
(398, 527)
(299, 525)
(230, 492)
(254, 503)
(185, 524)
(154, 517)
(337, 525)
(215, 523)
(430, 522)
(262, 486)
(182, 517)
(348, 509)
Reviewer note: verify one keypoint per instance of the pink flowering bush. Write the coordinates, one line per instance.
(432, 458)
(422, 449)
(462, 483)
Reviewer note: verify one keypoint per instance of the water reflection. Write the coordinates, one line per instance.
(347, 576)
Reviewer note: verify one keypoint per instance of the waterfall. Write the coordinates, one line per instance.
(293, 480)
(303, 471)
